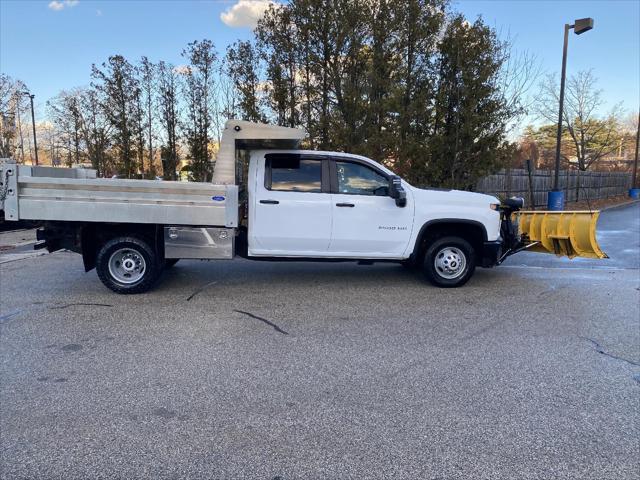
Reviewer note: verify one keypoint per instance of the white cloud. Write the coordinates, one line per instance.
(58, 5)
(182, 69)
(245, 13)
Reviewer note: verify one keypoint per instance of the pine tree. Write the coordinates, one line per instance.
(147, 73)
(168, 101)
(117, 83)
(199, 91)
(471, 113)
(242, 63)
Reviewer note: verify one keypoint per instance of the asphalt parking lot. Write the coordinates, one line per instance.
(263, 370)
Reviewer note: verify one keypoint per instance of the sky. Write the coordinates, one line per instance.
(51, 44)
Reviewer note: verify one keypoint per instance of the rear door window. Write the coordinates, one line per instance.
(293, 173)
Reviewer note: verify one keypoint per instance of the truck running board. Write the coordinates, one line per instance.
(570, 233)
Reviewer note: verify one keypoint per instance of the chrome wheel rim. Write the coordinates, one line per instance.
(450, 262)
(127, 266)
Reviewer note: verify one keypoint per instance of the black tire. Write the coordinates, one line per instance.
(170, 262)
(410, 265)
(450, 251)
(141, 255)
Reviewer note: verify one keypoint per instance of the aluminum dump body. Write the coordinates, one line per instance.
(58, 194)
(117, 200)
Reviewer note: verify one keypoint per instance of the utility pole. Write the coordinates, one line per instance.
(33, 124)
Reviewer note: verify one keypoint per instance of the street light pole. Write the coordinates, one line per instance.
(556, 177)
(555, 199)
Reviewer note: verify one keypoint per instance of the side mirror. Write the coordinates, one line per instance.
(396, 191)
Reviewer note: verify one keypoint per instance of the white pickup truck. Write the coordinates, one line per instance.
(268, 200)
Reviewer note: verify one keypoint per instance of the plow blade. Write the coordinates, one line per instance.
(571, 233)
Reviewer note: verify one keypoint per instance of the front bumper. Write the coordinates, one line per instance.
(491, 253)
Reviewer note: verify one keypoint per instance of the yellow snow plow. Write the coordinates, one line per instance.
(564, 233)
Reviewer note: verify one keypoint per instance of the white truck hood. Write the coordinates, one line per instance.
(436, 204)
(454, 196)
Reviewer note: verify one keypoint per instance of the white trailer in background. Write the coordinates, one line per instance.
(270, 200)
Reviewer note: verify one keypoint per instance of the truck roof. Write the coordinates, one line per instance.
(264, 151)
(240, 134)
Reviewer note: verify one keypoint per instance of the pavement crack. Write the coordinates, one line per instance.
(268, 322)
(600, 349)
(200, 289)
(67, 305)
(482, 330)
(7, 316)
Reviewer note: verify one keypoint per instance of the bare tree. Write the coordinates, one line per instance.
(519, 73)
(21, 110)
(96, 131)
(229, 99)
(64, 113)
(592, 136)
(11, 107)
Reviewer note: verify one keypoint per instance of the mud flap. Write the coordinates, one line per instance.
(571, 233)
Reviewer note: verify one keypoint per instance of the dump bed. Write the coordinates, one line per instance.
(118, 200)
(71, 196)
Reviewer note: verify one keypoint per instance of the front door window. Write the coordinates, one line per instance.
(357, 179)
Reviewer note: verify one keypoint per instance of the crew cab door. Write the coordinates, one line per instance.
(291, 206)
(366, 220)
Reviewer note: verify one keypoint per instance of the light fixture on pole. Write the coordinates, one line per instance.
(555, 199)
(33, 123)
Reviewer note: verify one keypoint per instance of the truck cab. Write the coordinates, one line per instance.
(335, 205)
(324, 205)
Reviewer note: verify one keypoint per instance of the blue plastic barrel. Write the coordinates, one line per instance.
(634, 193)
(555, 200)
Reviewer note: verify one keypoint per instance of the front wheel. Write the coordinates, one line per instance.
(127, 265)
(449, 262)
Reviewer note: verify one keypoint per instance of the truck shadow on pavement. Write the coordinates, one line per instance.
(204, 275)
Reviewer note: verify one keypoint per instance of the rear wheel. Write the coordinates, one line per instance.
(127, 265)
(449, 262)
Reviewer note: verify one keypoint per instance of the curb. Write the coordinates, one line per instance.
(620, 205)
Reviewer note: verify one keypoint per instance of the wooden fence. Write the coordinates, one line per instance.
(576, 185)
